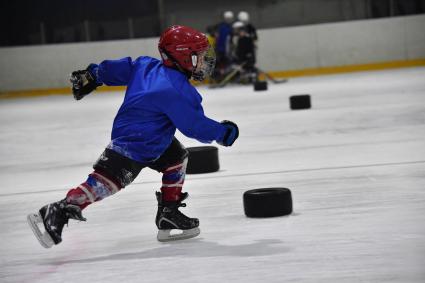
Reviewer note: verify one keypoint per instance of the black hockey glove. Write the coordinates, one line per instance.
(232, 133)
(84, 82)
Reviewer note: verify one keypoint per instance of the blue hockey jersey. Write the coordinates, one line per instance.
(158, 100)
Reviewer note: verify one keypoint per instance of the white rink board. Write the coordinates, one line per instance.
(279, 49)
(354, 163)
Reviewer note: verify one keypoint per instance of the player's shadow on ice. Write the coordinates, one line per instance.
(194, 248)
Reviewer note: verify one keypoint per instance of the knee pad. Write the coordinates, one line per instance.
(117, 167)
(176, 153)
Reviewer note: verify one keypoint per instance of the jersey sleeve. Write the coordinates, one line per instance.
(189, 118)
(115, 72)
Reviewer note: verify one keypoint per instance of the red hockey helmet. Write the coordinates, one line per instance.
(188, 50)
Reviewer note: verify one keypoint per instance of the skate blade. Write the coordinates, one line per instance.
(166, 236)
(43, 237)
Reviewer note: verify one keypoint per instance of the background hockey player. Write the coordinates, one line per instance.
(244, 53)
(223, 45)
(243, 17)
(158, 99)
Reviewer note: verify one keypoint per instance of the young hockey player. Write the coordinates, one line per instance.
(244, 53)
(159, 98)
(223, 44)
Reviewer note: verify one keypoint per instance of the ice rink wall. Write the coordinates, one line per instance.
(343, 44)
(302, 50)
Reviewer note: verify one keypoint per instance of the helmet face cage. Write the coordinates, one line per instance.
(204, 64)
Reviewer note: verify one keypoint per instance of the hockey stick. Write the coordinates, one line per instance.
(227, 79)
(269, 77)
(236, 70)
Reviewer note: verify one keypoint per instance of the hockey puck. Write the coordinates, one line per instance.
(300, 102)
(260, 85)
(202, 159)
(267, 202)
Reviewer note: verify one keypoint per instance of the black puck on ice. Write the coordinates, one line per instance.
(260, 85)
(202, 159)
(267, 202)
(300, 102)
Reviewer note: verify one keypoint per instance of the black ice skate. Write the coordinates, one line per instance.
(54, 216)
(169, 218)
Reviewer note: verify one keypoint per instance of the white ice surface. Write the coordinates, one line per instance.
(355, 164)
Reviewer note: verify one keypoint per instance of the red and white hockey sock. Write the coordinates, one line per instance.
(172, 181)
(95, 188)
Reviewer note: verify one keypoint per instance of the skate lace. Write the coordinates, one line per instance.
(181, 214)
(74, 212)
